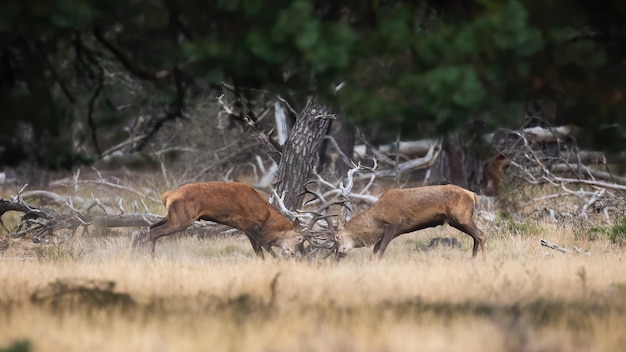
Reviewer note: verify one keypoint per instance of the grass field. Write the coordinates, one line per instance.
(213, 294)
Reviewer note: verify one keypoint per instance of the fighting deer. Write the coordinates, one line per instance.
(399, 211)
(233, 204)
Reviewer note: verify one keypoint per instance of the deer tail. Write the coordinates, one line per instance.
(164, 198)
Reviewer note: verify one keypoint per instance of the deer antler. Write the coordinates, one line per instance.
(321, 213)
(324, 239)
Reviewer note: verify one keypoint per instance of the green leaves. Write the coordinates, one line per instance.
(72, 14)
(444, 76)
(413, 67)
(458, 84)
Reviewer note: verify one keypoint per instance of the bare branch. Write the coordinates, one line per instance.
(419, 163)
(270, 147)
(126, 61)
(554, 246)
(562, 249)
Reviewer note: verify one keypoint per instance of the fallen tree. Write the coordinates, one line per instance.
(61, 214)
(573, 184)
(39, 222)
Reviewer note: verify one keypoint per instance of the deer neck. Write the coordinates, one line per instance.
(364, 230)
(275, 225)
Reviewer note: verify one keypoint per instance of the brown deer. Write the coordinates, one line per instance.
(494, 171)
(400, 211)
(233, 204)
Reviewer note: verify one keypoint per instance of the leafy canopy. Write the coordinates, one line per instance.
(410, 67)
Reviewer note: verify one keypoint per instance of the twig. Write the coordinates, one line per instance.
(272, 149)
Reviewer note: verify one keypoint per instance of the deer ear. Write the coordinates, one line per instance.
(296, 224)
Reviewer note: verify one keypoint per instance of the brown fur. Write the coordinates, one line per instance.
(400, 211)
(493, 174)
(230, 203)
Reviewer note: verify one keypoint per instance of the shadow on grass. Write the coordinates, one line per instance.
(81, 294)
(18, 346)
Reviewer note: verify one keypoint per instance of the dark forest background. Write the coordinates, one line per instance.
(84, 81)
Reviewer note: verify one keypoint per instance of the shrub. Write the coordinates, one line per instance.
(616, 233)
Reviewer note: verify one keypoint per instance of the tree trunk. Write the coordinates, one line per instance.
(453, 148)
(332, 156)
(456, 163)
(300, 155)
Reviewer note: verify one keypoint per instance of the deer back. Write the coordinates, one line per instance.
(230, 203)
(413, 208)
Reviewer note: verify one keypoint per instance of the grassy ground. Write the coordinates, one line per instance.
(213, 294)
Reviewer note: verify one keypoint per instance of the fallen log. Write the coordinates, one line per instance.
(540, 134)
(408, 148)
(598, 174)
(40, 222)
(563, 249)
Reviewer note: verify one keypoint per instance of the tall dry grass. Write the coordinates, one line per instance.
(92, 294)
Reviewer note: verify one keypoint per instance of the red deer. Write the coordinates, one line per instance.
(233, 204)
(493, 173)
(400, 211)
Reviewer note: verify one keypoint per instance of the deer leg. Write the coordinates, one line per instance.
(476, 234)
(268, 248)
(163, 228)
(258, 243)
(377, 245)
(389, 233)
(139, 242)
(482, 238)
(256, 246)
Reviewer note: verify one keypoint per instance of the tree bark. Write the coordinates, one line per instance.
(456, 163)
(300, 155)
(453, 148)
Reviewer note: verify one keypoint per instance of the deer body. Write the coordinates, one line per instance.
(230, 203)
(400, 211)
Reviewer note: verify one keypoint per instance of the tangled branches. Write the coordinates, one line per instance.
(571, 182)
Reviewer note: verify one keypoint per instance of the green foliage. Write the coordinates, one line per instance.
(414, 67)
(454, 71)
(18, 346)
(615, 233)
(517, 227)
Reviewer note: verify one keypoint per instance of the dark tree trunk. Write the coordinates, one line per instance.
(331, 160)
(457, 164)
(300, 155)
(453, 148)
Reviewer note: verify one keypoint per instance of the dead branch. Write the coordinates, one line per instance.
(409, 148)
(381, 157)
(272, 149)
(344, 158)
(586, 157)
(541, 134)
(556, 247)
(420, 154)
(126, 60)
(39, 222)
(547, 164)
(416, 164)
(101, 181)
(564, 168)
(327, 196)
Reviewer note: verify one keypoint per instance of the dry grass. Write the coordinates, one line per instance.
(214, 295)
